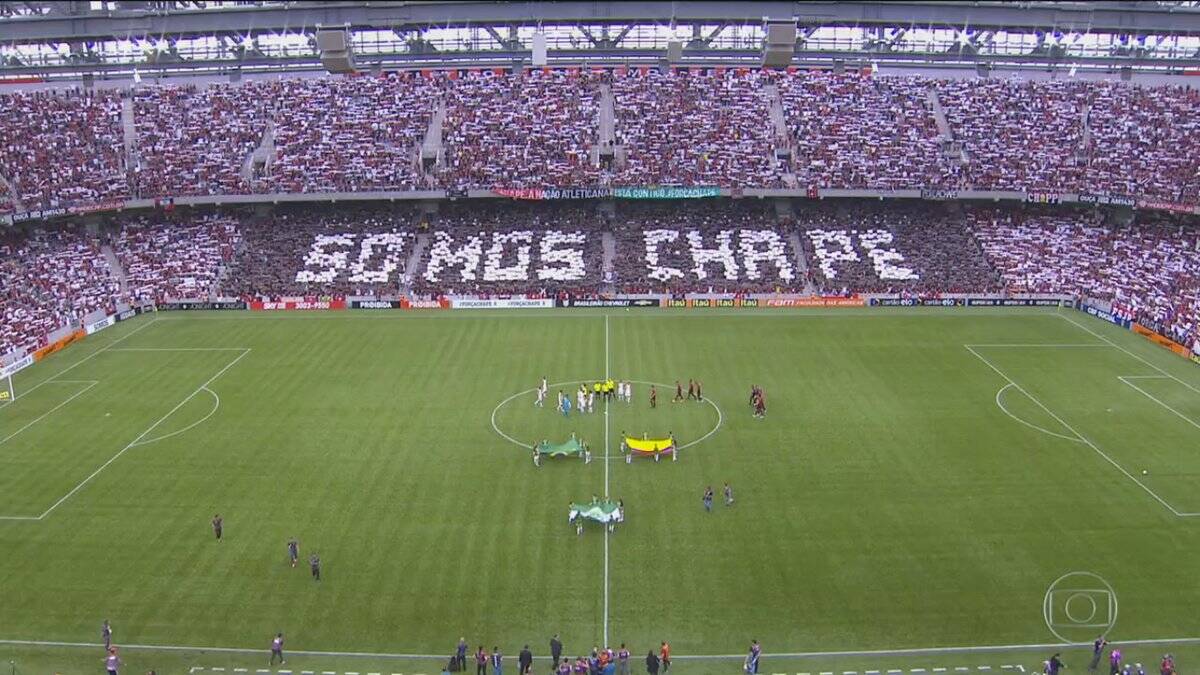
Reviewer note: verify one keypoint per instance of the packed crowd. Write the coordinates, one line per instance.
(536, 249)
(1151, 267)
(719, 126)
(694, 128)
(306, 251)
(707, 247)
(870, 247)
(350, 134)
(195, 140)
(48, 278)
(533, 131)
(62, 148)
(851, 131)
(164, 260)
(1017, 134)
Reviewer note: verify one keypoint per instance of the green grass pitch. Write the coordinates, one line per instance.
(921, 479)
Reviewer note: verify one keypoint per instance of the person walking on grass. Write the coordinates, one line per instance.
(556, 649)
(218, 526)
(106, 635)
(112, 662)
(481, 661)
(293, 547)
(664, 652)
(277, 649)
(651, 663)
(525, 660)
(460, 655)
(623, 660)
(314, 563)
(1097, 653)
(497, 661)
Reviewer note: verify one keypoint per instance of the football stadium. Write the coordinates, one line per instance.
(599, 338)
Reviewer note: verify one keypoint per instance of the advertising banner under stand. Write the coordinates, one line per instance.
(238, 304)
(97, 326)
(608, 302)
(375, 304)
(501, 303)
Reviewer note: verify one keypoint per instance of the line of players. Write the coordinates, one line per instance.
(585, 397)
(604, 661)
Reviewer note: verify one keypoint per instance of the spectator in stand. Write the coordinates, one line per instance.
(175, 260)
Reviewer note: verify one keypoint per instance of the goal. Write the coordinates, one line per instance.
(8, 394)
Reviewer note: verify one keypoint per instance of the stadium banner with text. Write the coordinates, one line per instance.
(440, 303)
(1161, 340)
(38, 214)
(238, 304)
(376, 304)
(1114, 200)
(501, 303)
(813, 302)
(59, 344)
(97, 326)
(127, 314)
(666, 192)
(939, 195)
(538, 194)
(1042, 198)
(1161, 205)
(96, 207)
(607, 302)
(1107, 316)
(288, 305)
(16, 366)
(677, 303)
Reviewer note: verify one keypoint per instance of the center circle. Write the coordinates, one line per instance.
(1067, 608)
(665, 387)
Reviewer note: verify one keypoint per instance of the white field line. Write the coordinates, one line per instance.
(216, 406)
(90, 384)
(89, 357)
(1031, 425)
(142, 435)
(1148, 395)
(1139, 358)
(606, 375)
(1042, 345)
(177, 349)
(1080, 436)
(918, 651)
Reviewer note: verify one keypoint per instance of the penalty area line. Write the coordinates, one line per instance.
(142, 435)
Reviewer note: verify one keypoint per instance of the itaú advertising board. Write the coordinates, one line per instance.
(501, 303)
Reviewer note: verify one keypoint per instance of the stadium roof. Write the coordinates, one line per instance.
(113, 37)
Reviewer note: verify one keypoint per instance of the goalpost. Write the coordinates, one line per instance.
(8, 393)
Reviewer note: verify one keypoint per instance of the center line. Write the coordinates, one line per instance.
(606, 376)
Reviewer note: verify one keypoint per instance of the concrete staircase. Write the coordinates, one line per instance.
(1085, 138)
(118, 271)
(950, 148)
(783, 148)
(432, 149)
(801, 262)
(129, 133)
(609, 245)
(414, 259)
(258, 163)
(11, 193)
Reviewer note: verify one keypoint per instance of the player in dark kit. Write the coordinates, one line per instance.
(293, 550)
(106, 635)
(217, 525)
(692, 390)
(314, 562)
(653, 397)
(1097, 653)
(678, 392)
(699, 391)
